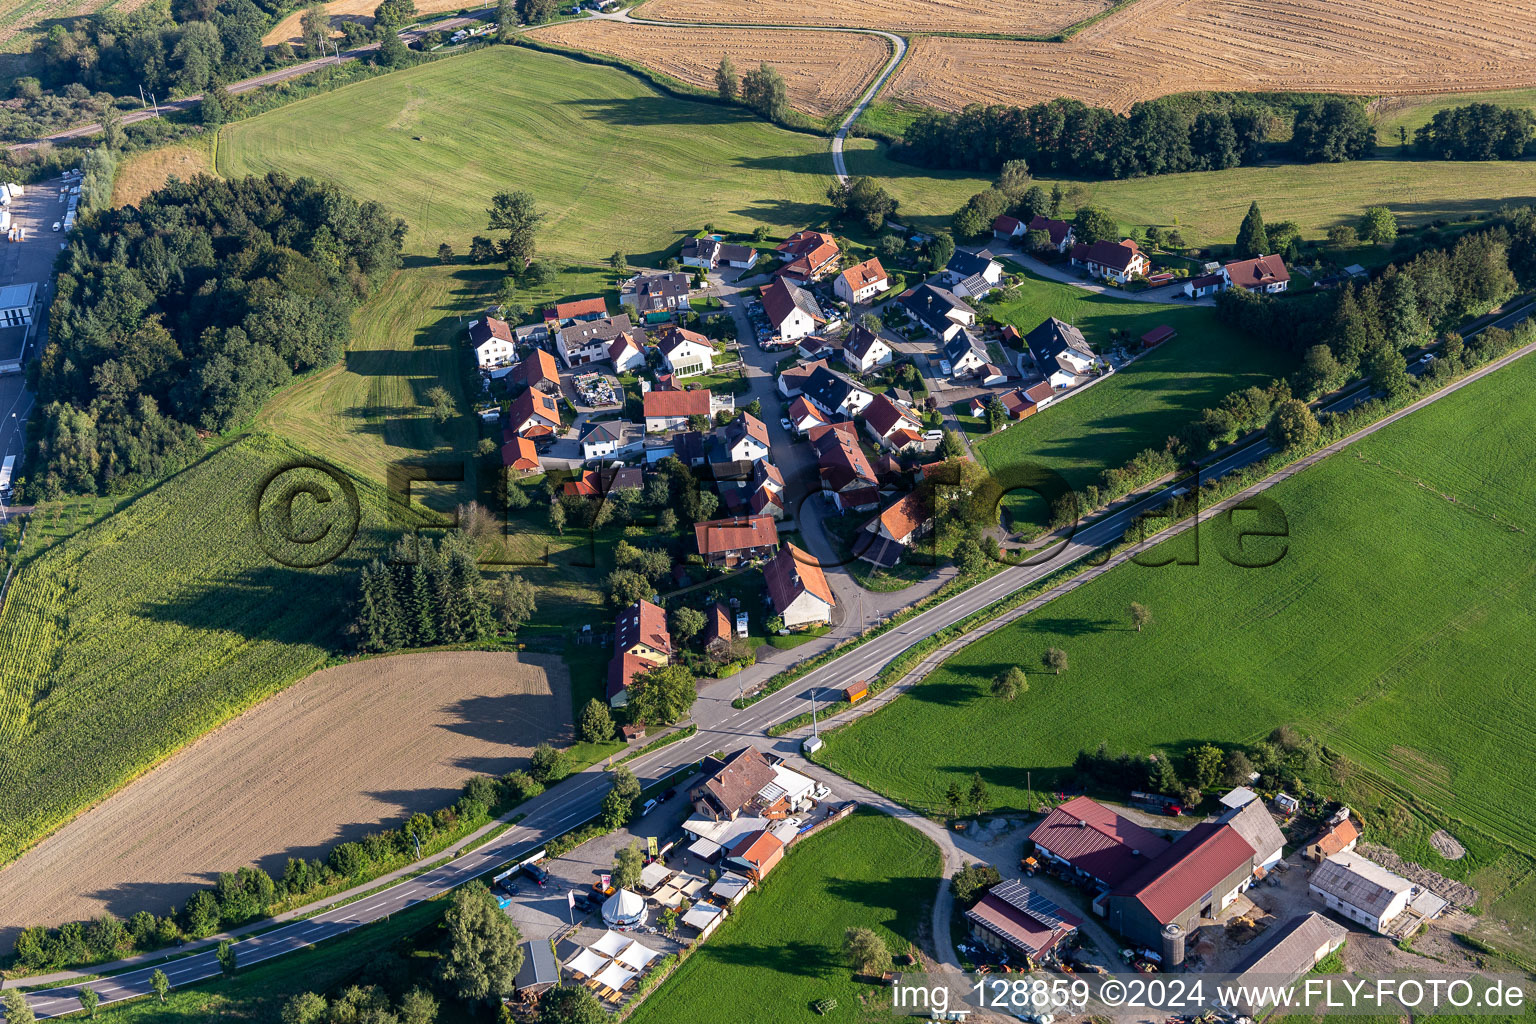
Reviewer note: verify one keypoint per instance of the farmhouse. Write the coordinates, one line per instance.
(803, 415)
(1014, 919)
(1361, 890)
(708, 252)
(537, 370)
(492, 341)
(746, 782)
(791, 310)
(1007, 228)
(891, 425)
(792, 381)
(1339, 836)
(1197, 877)
(864, 350)
(732, 541)
(685, 353)
(641, 642)
(1264, 274)
(611, 439)
(669, 410)
(1281, 956)
(519, 454)
(939, 310)
(861, 282)
(847, 479)
(578, 309)
(808, 255)
(655, 291)
(798, 588)
(834, 394)
(973, 275)
(895, 529)
(1061, 353)
(589, 341)
(1059, 230)
(1095, 842)
(1111, 261)
(533, 414)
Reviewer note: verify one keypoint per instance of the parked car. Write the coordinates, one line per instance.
(933, 435)
(56, 225)
(537, 873)
(668, 795)
(944, 367)
(788, 426)
(821, 792)
(647, 807)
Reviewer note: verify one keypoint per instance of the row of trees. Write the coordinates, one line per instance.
(185, 311)
(1477, 131)
(1281, 759)
(762, 90)
(1164, 136)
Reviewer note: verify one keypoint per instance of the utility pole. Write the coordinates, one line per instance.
(142, 101)
(156, 104)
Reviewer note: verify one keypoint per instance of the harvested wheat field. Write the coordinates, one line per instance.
(1036, 18)
(824, 71)
(1157, 47)
(360, 11)
(327, 760)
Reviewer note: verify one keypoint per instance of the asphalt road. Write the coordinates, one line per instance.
(721, 726)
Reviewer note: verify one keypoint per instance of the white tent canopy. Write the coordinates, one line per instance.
(653, 874)
(615, 977)
(610, 943)
(636, 956)
(624, 908)
(586, 963)
(701, 915)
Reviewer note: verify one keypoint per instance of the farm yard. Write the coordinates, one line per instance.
(1030, 18)
(434, 143)
(783, 947)
(1208, 206)
(177, 579)
(823, 71)
(1138, 407)
(348, 751)
(1159, 47)
(1340, 638)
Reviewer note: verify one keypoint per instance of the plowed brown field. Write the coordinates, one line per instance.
(326, 760)
(824, 71)
(291, 28)
(1009, 17)
(1157, 47)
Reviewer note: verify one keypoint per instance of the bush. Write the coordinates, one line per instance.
(972, 881)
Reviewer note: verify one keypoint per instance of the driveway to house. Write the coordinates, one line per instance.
(1165, 295)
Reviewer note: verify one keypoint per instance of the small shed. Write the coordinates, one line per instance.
(540, 971)
(704, 918)
(730, 888)
(1157, 335)
(856, 692)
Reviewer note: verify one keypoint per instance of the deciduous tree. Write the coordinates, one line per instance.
(481, 954)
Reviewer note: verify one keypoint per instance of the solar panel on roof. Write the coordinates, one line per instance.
(1020, 896)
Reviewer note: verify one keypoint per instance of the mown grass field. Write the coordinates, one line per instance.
(143, 172)
(782, 948)
(614, 163)
(1137, 407)
(141, 632)
(1208, 206)
(1397, 628)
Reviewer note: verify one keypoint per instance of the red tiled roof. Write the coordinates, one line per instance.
(862, 275)
(642, 623)
(579, 307)
(1337, 838)
(1205, 281)
(1257, 273)
(536, 368)
(500, 329)
(802, 242)
(1096, 840)
(674, 336)
(533, 403)
(1158, 335)
(622, 669)
(756, 847)
(620, 345)
(722, 536)
(677, 403)
(801, 407)
(741, 776)
(885, 415)
(792, 572)
(1039, 392)
(1115, 255)
(519, 453)
(1006, 225)
(839, 457)
(1058, 228)
(905, 515)
(717, 624)
(1187, 870)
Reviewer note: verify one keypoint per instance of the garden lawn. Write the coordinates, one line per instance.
(782, 949)
(1137, 407)
(613, 162)
(1208, 206)
(137, 634)
(1397, 628)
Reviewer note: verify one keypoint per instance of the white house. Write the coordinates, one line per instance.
(709, 252)
(861, 282)
(1206, 284)
(1060, 231)
(611, 439)
(973, 275)
(1265, 274)
(685, 352)
(965, 356)
(803, 415)
(1112, 261)
(791, 310)
(798, 588)
(626, 353)
(492, 341)
(744, 439)
(892, 425)
(939, 309)
(533, 414)
(834, 394)
(656, 291)
(864, 350)
(671, 410)
(590, 341)
(1060, 352)
(1361, 890)
(1007, 228)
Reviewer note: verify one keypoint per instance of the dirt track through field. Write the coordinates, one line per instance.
(823, 71)
(1157, 47)
(1038, 18)
(326, 760)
